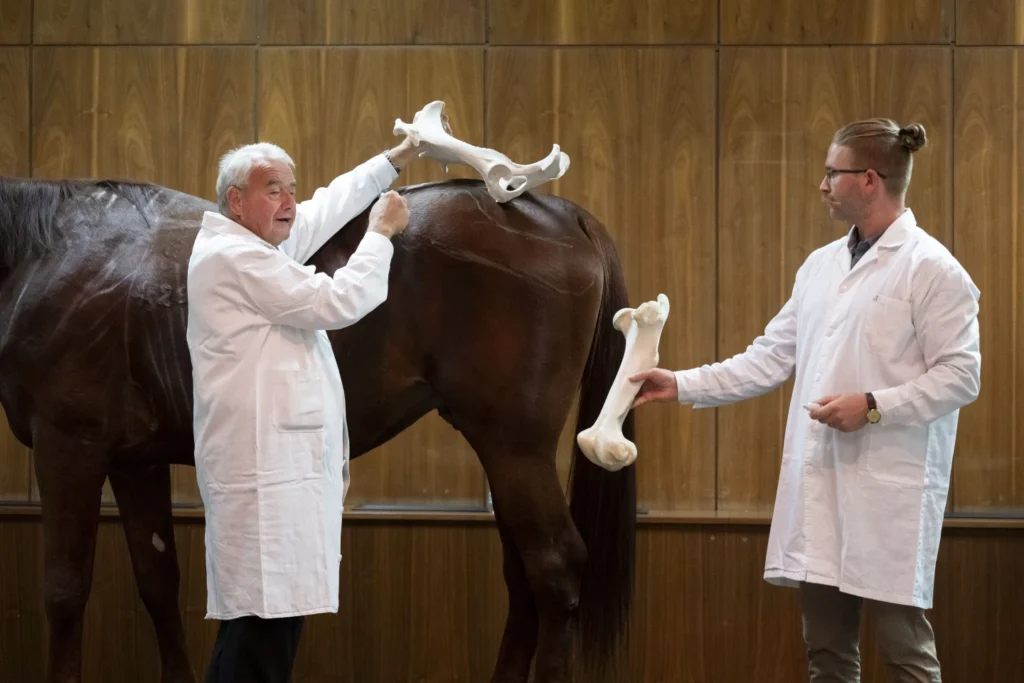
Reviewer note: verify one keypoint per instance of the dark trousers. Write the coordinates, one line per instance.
(254, 650)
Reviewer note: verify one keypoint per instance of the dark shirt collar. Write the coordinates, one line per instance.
(859, 247)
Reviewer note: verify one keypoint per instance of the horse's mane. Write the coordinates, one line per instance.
(29, 208)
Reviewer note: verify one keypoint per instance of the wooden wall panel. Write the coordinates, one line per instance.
(426, 602)
(638, 127)
(432, 593)
(664, 604)
(184, 486)
(163, 114)
(739, 604)
(144, 21)
(15, 467)
(968, 592)
(989, 231)
(779, 110)
(357, 94)
(753, 284)
(14, 123)
(23, 630)
(990, 22)
(15, 21)
(360, 22)
(811, 22)
(590, 22)
(67, 119)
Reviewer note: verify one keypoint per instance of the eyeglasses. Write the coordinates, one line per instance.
(832, 173)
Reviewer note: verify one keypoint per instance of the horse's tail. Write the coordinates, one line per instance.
(603, 503)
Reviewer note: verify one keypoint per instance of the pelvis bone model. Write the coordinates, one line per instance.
(505, 179)
(604, 443)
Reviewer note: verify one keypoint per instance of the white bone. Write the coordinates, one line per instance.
(505, 179)
(603, 443)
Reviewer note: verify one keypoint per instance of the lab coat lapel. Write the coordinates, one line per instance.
(890, 241)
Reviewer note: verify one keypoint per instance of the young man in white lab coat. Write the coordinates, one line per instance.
(271, 440)
(881, 330)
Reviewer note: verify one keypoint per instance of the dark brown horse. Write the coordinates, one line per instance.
(497, 316)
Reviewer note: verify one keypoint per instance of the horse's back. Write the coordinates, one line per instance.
(99, 309)
(537, 239)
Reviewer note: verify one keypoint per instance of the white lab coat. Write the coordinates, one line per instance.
(271, 442)
(863, 510)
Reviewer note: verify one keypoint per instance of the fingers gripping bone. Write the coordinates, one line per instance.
(604, 443)
(505, 179)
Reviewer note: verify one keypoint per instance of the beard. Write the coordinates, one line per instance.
(845, 212)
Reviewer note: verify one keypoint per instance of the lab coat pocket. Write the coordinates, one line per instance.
(895, 454)
(881, 528)
(889, 326)
(297, 401)
(298, 416)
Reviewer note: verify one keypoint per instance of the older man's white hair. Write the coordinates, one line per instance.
(236, 165)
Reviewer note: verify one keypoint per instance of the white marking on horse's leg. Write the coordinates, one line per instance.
(158, 543)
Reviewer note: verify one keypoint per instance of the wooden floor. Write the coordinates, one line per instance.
(424, 602)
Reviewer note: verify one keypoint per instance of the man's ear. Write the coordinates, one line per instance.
(235, 200)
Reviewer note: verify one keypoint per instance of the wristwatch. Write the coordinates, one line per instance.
(873, 415)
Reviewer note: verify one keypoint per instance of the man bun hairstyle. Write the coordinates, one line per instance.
(913, 137)
(885, 146)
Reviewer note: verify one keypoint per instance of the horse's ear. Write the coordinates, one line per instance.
(622, 319)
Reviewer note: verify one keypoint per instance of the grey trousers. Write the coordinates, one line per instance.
(831, 624)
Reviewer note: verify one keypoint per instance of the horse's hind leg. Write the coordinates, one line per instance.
(531, 508)
(70, 476)
(144, 501)
(519, 639)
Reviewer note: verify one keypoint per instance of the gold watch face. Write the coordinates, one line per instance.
(874, 415)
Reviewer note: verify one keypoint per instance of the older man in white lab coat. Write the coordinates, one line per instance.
(881, 330)
(271, 443)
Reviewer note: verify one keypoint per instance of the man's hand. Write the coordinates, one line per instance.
(389, 215)
(658, 385)
(845, 412)
(404, 153)
(407, 152)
